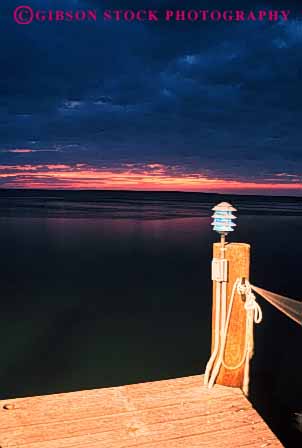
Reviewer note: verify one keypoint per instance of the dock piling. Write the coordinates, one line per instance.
(238, 257)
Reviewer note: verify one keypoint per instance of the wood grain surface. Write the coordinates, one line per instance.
(177, 413)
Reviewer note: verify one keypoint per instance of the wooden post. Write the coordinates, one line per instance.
(238, 256)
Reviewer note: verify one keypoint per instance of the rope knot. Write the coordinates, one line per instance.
(250, 300)
(244, 288)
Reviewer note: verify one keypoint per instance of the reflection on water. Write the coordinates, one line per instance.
(92, 302)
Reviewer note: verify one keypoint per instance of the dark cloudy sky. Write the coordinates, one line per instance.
(178, 106)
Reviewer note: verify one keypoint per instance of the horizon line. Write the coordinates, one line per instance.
(118, 190)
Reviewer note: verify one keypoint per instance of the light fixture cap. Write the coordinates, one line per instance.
(224, 206)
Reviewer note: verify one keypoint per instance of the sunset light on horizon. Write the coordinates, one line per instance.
(129, 176)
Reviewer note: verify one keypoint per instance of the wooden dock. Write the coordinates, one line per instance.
(178, 413)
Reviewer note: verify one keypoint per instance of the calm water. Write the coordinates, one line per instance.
(102, 289)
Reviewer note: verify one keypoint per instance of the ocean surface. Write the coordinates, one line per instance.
(110, 288)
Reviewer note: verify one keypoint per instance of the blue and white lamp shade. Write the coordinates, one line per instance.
(223, 218)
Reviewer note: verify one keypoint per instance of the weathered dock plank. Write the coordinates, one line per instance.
(178, 413)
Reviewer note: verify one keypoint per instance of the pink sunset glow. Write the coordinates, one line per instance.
(153, 176)
(20, 151)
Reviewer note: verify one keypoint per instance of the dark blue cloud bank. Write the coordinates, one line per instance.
(217, 98)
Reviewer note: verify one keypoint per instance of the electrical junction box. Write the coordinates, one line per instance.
(219, 270)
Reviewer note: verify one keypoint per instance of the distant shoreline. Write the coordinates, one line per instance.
(147, 192)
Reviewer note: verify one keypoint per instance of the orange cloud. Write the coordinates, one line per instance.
(18, 150)
(131, 177)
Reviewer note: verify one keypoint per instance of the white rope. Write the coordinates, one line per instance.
(250, 300)
(290, 307)
(253, 314)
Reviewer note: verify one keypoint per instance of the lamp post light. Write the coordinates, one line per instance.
(223, 220)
